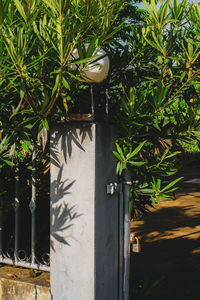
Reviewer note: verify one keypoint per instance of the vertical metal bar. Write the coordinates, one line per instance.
(121, 239)
(107, 104)
(126, 236)
(92, 101)
(16, 208)
(32, 204)
(1, 225)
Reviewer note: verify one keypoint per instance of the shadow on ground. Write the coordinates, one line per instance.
(168, 267)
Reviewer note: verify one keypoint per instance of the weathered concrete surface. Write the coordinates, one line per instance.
(17, 290)
(84, 219)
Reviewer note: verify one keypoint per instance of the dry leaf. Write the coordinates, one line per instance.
(13, 276)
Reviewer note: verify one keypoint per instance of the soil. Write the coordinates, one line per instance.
(25, 275)
(168, 266)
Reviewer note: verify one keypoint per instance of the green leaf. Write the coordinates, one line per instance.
(173, 154)
(1, 13)
(17, 109)
(8, 162)
(55, 85)
(120, 151)
(65, 83)
(20, 9)
(92, 47)
(40, 131)
(85, 60)
(171, 184)
(146, 191)
(117, 168)
(25, 147)
(22, 90)
(136, 150)
(136, 163)
(117, 155)
(45, 123)
(148, 8)
(64, 99)
(120, 168)
(153, 4)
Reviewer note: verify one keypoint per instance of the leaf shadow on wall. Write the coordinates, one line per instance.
(68, 137)
(62, 214)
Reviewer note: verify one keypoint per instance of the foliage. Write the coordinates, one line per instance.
(153, 83)
(38, 79)
(156, 97)
(37, 40)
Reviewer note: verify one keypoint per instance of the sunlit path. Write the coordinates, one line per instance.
(170, 238)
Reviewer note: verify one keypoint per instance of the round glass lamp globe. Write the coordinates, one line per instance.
(97, 69)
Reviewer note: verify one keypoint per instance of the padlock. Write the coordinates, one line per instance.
(136, 247)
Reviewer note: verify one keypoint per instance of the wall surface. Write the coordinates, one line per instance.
(84, 219)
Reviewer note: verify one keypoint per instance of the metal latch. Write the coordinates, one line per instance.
(111, 188)
(135, 244)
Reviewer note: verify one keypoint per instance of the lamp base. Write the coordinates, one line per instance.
(80, 117)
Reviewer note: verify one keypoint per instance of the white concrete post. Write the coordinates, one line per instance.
(84, 219)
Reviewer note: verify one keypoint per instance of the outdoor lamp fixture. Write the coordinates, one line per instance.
(97, 70)
(94, 71)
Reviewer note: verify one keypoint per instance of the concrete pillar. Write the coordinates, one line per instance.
(84, 219)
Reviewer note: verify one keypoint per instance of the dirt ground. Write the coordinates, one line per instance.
(26, 275)
(168, 266)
